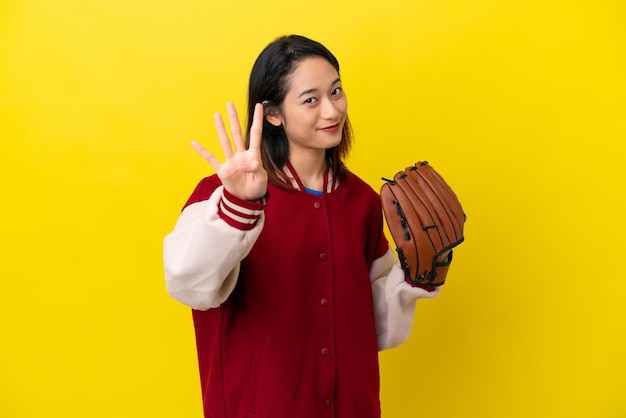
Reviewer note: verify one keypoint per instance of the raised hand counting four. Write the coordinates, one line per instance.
(242, 173)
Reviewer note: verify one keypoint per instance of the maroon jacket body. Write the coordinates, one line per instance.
(297, 337)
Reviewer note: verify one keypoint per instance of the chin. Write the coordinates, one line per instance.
(334, 143)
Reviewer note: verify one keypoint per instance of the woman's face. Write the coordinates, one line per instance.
(315, 106)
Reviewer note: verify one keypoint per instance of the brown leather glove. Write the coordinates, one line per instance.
(426, 221)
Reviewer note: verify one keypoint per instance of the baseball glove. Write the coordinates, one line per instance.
(425, 220)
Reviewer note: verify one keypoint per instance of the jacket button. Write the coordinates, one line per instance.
(317, 205)
(327, 403)
(324, 351)
(324, 302)
(323, 256)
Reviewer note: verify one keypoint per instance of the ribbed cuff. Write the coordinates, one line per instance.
(239, 213)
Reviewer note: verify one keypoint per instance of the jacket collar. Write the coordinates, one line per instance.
(289, 176)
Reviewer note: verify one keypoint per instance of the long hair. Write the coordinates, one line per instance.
(269, 82)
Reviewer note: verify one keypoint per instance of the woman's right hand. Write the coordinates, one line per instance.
(242, 174)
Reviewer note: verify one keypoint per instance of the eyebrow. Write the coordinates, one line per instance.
(314, 90)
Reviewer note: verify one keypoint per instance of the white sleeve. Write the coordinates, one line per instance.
(394, 301)
(202, 254)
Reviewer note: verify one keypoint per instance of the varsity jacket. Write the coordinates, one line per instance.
(291, 297)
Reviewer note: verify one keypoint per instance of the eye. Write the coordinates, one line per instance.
(310, 100)
(336, 91)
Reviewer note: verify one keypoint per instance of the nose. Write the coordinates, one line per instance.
(329, 110)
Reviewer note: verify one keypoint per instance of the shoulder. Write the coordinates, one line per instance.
(357, 188)
(204, 189)
(357, 184)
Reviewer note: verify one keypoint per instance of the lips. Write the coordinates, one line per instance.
(331, 128)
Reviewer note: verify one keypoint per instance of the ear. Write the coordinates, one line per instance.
(272, 115)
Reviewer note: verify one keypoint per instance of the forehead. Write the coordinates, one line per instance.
(312, 73)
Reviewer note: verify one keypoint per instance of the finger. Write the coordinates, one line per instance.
(207, 155)
(256, 130)
(223, 136)
(235, 127)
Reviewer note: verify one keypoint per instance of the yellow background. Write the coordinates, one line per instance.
(520, 104)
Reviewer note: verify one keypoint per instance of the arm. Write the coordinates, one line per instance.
(203, 252)
(394, 301)
(218, 227)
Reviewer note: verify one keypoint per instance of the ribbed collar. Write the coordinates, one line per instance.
(289, 176)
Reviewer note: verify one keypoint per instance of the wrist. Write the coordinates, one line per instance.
(245, 199)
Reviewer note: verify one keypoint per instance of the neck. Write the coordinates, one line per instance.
(311, 168)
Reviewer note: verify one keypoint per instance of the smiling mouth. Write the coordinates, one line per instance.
(331, 128)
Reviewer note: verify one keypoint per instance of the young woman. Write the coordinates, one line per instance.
(282, 256)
